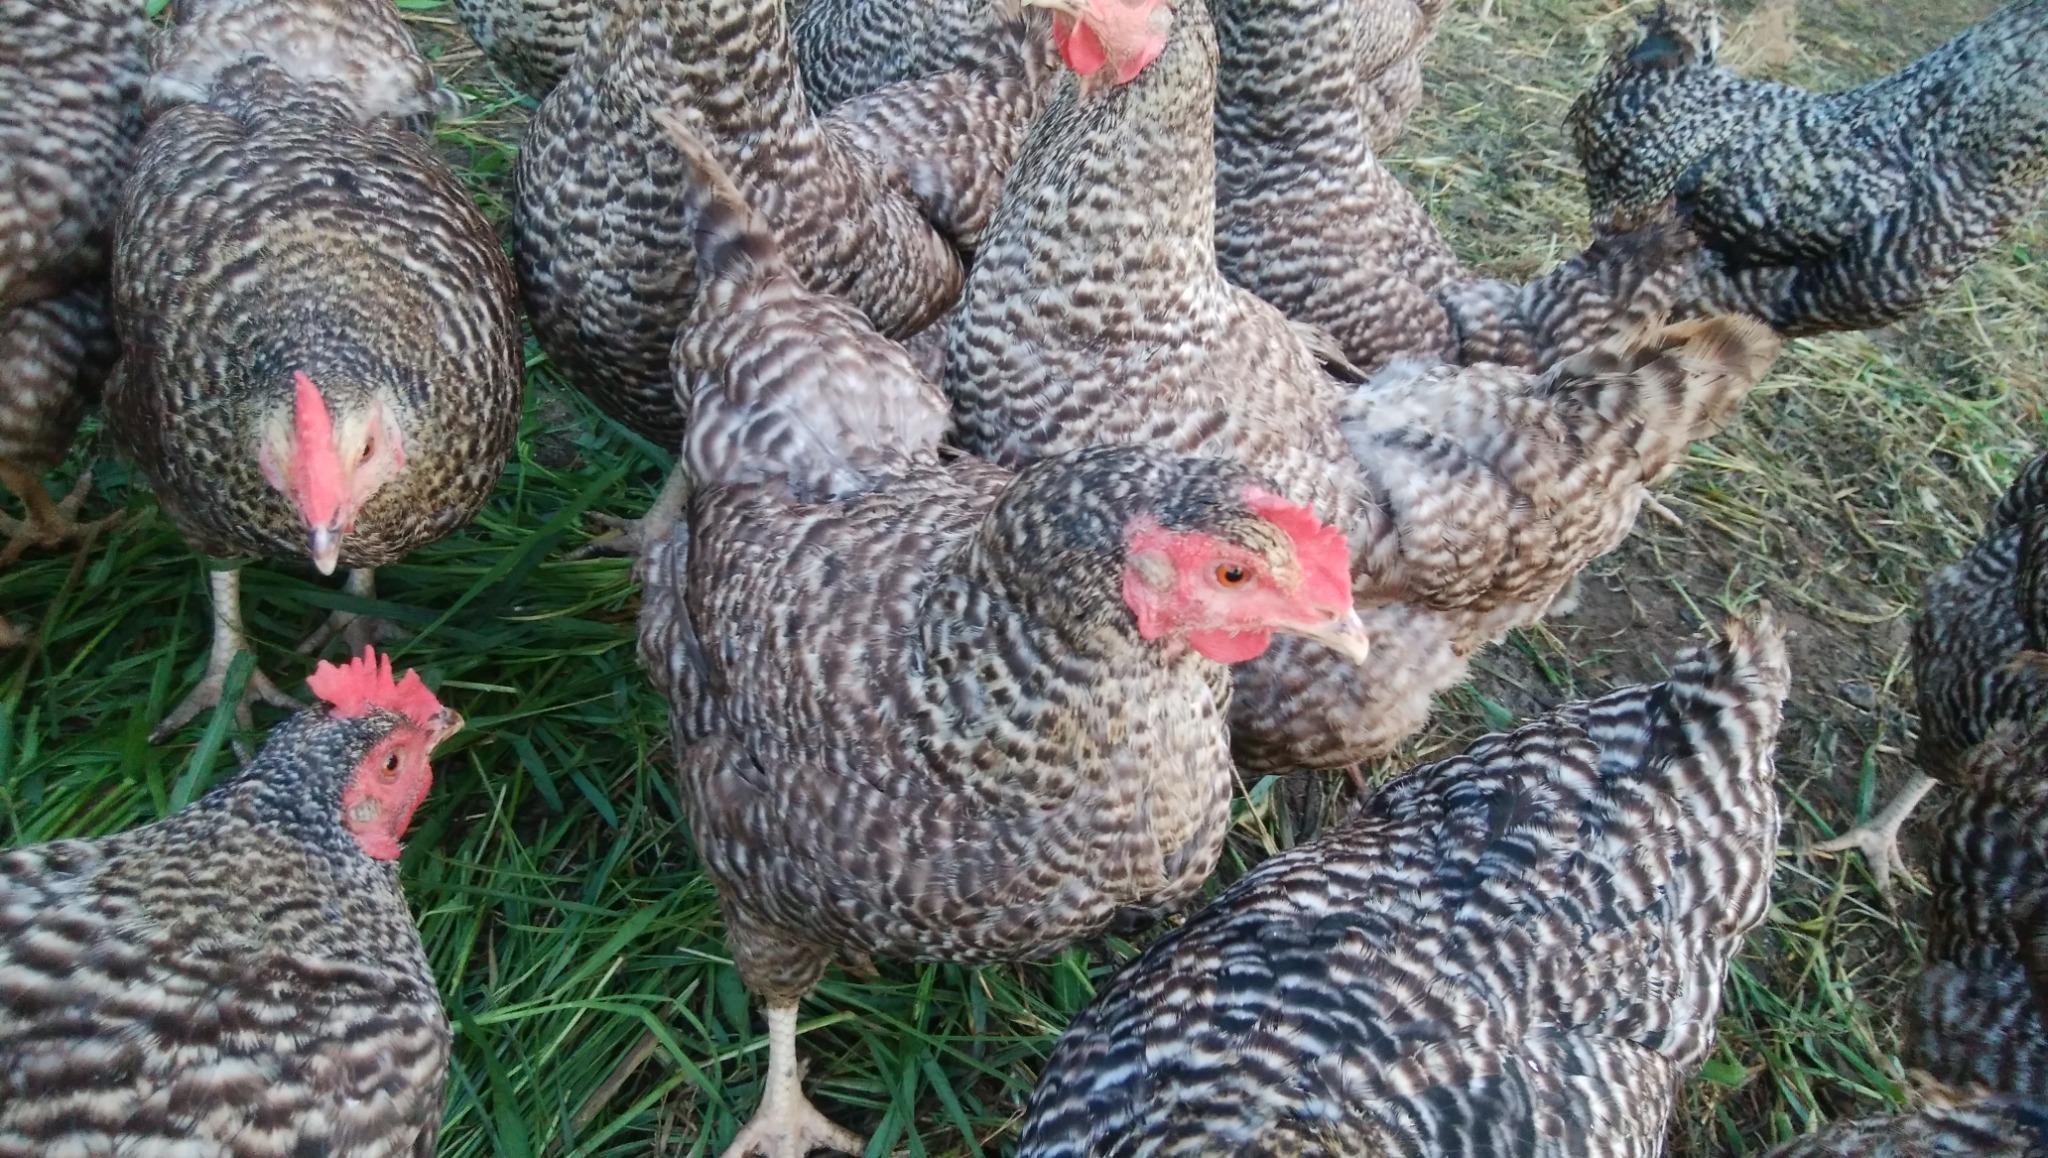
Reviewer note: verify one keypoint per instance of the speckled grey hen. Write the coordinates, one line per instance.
(321, 348)
(240, 979)
(1977, 615)
(531, 43)
(1988, 1127)
(1519, 951)
(1310, 220)
(1821, 211)
(922, 707)
(70, 114)
(603, 261)
(1096, 313)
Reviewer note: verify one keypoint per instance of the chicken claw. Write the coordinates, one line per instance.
(49, 523)
(630, 537)
(1878, 838)
(355, 629)
(787, 1125)
(226, 587)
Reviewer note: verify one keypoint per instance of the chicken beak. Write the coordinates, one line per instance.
(1345, 634)
(323, 546)
(445, 723)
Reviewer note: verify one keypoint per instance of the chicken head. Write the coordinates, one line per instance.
(391, 780)
(1228, 588)
(329, 465)
(1122, 36)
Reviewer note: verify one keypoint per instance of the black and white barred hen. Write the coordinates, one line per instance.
(240, 979)
(1519, 950)
(1309, 219)
(1977, 616)
(529, 42)
(320, 332)
(71, 74)
(1820, 211)
(1096, 313)
(1980, 1014)
(924, 707)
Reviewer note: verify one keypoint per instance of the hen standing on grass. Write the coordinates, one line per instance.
(1520, 950)
(1821, 211)
(603, 259)
(71, 76)
(926, 708)
(321, 347)
(240, 979)
(1096, 313)
(1978, 615)
(1310, 220)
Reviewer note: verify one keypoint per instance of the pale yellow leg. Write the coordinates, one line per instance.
(787, 1125)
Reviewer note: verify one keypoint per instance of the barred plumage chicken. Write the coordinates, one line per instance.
(1821, 211)
(603, 260)
(1519, 950)
(71, 76)
(1967, 1128)
(240, 979)
(1977, 615)
(321, 346)
(1980, 1013)
(923, 707)
(1096, 313)
(1310, 220)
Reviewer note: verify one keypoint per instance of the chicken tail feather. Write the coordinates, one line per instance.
(732, 241)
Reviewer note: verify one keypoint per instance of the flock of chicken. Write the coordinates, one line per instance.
(1073, 413)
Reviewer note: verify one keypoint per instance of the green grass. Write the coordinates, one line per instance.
(595, 1009)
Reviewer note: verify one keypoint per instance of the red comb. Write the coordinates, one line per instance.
(1324, 552)
(366, 682)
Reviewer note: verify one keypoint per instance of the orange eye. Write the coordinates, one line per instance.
(1231, 575)
(391, 766)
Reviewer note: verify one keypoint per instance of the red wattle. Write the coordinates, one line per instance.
(1083, 51)
(1230, 646)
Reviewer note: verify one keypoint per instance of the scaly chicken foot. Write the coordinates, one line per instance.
(1878, 838)
(355, 629)
(50, 523)
(630, 537)
(787, 1125)
(228, 640)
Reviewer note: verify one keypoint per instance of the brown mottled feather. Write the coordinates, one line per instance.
(1520, 950)
(529, 42)
(236, 980)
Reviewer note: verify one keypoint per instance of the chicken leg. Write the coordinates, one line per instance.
(358, 630)
(50, 523)
(1878, 838)
(226, 590)
(630, 536)
(787, 1125)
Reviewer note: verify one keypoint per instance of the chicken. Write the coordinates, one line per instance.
(321, 345)
(1519, 950)
(1389, 37)
(71, 75)
(529, 42)
(1980, 1012)
(604, 264)
(240, 979)
(1096, 314)
(1969, 1128)
(1821, 211)
(923, 707)
(849, 48)
(1977, 615)
(1308, 219)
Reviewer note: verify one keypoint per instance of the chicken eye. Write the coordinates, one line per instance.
(1231, 575)
(391, 765)
(369, 448)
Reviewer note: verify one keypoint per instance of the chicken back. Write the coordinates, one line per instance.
(1520, 950)
(240, 979)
